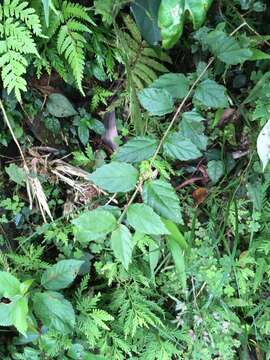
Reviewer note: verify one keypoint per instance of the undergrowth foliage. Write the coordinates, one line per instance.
(134, 209)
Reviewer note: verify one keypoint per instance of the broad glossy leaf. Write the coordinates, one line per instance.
(180, 148)
(122, 245)
(176, 84)
(161, 196)
(93, 225)
(158, 102)
(226, 48)
(211, 94)
(171, 21)
(9, 285)
(263, 144)
(191, 127)
(215, 170)
(146, 13)
(59, 106)
(115, 177)
(54, 311)
(137, 149)
(197, 10)
(143, 219)
(61, 275)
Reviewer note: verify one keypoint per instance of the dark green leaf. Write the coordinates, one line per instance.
(137, 149)
(226, 48)
(122, 245)
(191, 127)
(59, 106)
(54, 311)
(215, 169)
(143, 219)
(61, 275)
(157, 101)
(160, 195)
(210, 94)
(93, 225)
(115, 177)
(145, 13)
(176, 84)
(180, 148)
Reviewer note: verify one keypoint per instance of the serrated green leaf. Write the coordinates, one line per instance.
(171, 21)
(9, 285)
(137, 149)
(211, 94)
(197, 11)
(15, 313)
(157, 101)
(122, 245)
(59, 106)
(61, 275)
(93, 225)
(161, 196)
(115, 177)
(191, 127)
(16, 174)
(54, 311)
(176, 84)
(226, 48)
(215, 170)
(143, 219)
(180, 148)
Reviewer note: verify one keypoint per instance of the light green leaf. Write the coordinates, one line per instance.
(61, 275)
(161, 196)
(19, 314)
(211, 94)
(191, 127)
(226, 48)
(176, 84)
(215, 170)
(171, 21)
(145, 14)
(54, 311)
(258, 55)
(16, 174)
(263, 144)
(115, 177)
(15, 313)
(197, 10)
(93, 225)
(143, 219)
(9, 285)
(137, 149)
(157, 101)
(46, 8)
(176, 235)
(178, 147)
(59, 106)
(122, 245)
(179, 260)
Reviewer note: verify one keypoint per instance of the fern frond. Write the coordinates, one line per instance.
(71, 10)
(71, 43)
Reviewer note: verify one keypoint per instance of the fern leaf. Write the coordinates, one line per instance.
(71, 10)
(132, 28)
(71, 44)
